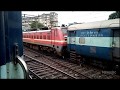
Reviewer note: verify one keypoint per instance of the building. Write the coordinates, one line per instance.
(48, 20)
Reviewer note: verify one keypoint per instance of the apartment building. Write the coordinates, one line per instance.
(48, 20)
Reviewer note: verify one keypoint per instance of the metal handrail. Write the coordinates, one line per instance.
(24, 67)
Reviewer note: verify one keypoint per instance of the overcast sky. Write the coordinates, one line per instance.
(65, 17)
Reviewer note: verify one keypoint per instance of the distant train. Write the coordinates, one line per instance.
(53, 40)
(96, 42)
(12, 65)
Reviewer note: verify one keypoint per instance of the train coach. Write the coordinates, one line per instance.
(98, 42)
(52, 40)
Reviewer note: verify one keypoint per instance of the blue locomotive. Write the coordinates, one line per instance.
(95, 41)
(12, 65)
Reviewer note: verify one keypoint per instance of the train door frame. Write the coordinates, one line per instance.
(53, 37)
(116, 50)
(73, 40)
(12, 65)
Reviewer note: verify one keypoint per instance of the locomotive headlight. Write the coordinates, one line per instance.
(65, 37)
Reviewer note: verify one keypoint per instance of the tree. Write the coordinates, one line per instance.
(36, 24)
(114, 15)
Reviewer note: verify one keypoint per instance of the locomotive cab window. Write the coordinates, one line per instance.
(64, 30)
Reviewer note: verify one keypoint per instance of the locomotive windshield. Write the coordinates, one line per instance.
(64, 30)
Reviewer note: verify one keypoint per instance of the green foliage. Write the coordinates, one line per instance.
(114, 15)
(36, 24)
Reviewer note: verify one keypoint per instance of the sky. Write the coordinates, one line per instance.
(66, 17)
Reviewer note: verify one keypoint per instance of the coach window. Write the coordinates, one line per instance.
(82, 40)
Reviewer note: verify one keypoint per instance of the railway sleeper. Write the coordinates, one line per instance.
(43, 73)
(48, 75)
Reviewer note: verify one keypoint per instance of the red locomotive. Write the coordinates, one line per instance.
(53, 40)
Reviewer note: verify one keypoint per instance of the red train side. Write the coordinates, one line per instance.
(53, 40)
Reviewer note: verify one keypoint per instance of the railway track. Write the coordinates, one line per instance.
(33, 75)
(44, 71)
(79, 72)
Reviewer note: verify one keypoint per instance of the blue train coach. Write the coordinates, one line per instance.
(97, 40)
(12, 65)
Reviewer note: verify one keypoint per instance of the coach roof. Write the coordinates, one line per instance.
(97, 24)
